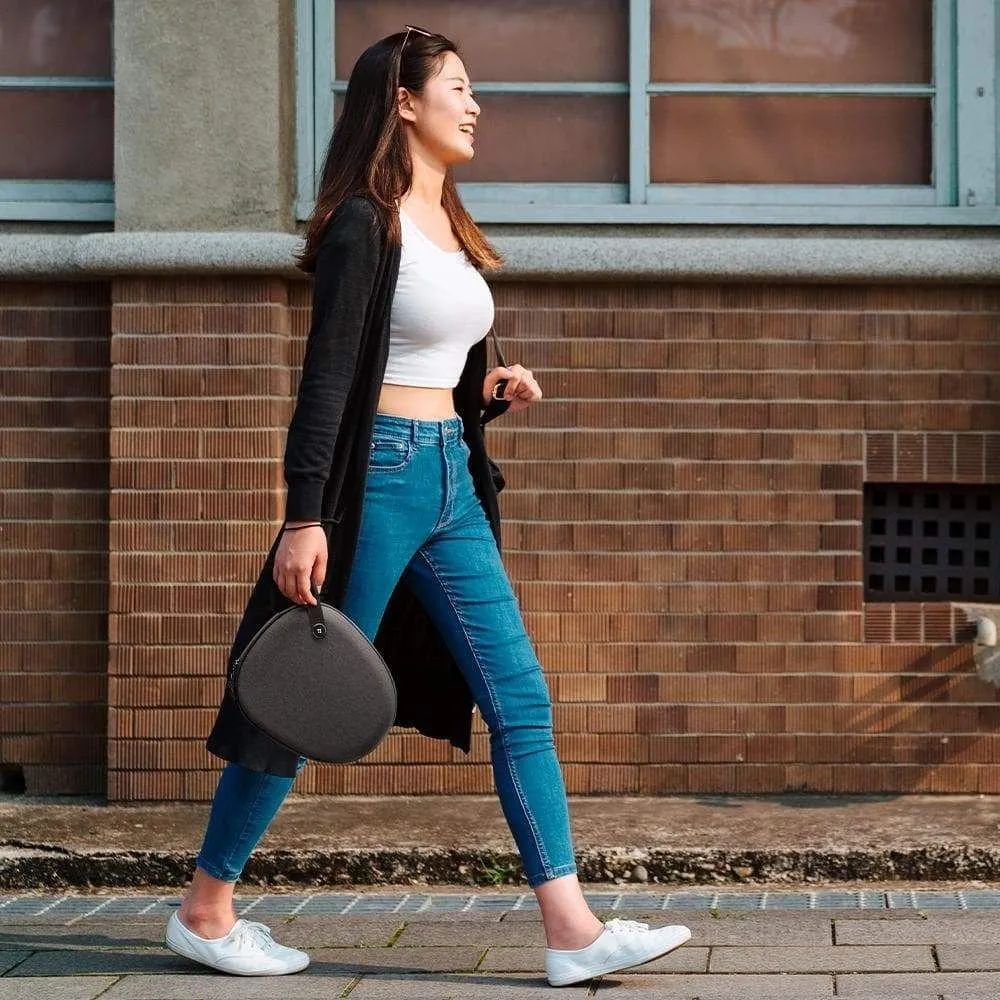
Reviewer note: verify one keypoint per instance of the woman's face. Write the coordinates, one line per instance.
(443, 117)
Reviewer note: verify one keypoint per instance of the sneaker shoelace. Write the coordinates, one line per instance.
(618, 926)
(252, 935)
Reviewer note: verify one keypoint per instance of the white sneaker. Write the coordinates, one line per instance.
(622, 944)
(247, 950)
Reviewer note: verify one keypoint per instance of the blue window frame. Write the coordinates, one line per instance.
(964, 161)
(44, 37)
(56, 200)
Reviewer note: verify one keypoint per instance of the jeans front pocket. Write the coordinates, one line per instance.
(389, 455)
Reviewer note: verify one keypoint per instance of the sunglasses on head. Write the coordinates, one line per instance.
(419, 31)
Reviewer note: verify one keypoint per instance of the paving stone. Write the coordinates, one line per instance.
(927, 986)
(343, 960)
(8, 959)
(56, 989)
(684, 959)
(472, 932)
(112, 963)
(464, 987)
(939, 929)
(443, 916)
(901, 958)
(108, 934)
(761, 929)
(811, 927)
(302, 986)
(53, 919)
(338, 932)
(969, 957)
(709, 987)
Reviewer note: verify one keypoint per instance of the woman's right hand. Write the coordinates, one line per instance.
(300, 563)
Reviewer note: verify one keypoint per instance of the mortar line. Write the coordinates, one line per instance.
(352, 986)
(110, 986)
(250, 906)
(309, 896)
(45, 909)
(90, 913)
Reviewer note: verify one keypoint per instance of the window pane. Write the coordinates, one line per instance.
(63, 38)
(790, 140)
(792, 41)
(538, 139)
(57, 135)
(508, 40)
(528, 138)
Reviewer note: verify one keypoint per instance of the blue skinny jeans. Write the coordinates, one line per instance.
(421, 518)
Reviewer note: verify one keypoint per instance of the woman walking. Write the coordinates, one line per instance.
(392, 508)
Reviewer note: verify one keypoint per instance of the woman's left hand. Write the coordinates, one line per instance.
(522, 389)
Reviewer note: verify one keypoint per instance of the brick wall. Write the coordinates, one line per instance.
(682, 524)
(201, 384)
(53, 536)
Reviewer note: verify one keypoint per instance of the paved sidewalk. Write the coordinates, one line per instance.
(450, 943)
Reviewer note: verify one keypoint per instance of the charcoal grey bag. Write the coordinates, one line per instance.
(311, 680)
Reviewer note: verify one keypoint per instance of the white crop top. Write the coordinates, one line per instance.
(441, 307)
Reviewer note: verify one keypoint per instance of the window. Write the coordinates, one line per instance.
(800, 111)
(57, 108)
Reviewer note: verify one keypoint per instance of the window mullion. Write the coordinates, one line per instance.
(639, 29)
(324, 52)
(975, 34)
(305, 154)
(943, 112)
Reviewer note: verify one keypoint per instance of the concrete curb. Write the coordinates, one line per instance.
(33, 867)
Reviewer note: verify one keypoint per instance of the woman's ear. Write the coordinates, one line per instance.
(404, 105)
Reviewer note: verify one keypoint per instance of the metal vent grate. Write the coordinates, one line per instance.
(931, 543)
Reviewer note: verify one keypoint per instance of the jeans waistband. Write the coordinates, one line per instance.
(435, 431)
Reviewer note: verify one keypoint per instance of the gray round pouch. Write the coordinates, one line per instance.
(312, 681)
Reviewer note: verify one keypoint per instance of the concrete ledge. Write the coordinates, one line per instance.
(539, 256)
(37, 867)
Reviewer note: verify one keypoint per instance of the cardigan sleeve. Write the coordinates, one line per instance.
(346, 269)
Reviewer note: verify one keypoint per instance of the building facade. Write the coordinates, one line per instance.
(752, 259)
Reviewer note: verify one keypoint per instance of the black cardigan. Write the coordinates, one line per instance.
(325, 466)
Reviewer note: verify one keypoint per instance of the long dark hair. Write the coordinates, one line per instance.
(368, 154)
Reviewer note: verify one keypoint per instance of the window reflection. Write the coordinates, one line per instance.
(724, 139)
(55, 38)
(797, 41)
(505, 40)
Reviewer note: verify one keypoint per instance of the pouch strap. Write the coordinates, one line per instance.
(317, 625)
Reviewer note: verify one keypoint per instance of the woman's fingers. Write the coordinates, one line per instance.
(319, 572)
(304, 585)
(511, 391)
(299, 567)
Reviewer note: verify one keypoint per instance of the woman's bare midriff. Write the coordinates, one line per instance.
(416, 402)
